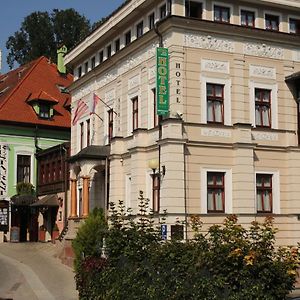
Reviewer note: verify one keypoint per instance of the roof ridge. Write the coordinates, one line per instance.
(37, 61)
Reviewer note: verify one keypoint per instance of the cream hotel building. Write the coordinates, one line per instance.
(230, 142)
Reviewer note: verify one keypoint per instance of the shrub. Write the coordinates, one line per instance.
(228, 262)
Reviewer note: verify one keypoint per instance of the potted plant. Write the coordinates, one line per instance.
(42, 233)
(55, 233)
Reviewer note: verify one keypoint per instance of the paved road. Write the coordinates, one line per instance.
(30, 271)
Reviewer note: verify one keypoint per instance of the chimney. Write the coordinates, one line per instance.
(61, 52)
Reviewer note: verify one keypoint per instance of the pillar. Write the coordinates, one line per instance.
(85, 199)
(73, 198)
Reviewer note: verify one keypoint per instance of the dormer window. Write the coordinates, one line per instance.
(44, 111)
(42, 103)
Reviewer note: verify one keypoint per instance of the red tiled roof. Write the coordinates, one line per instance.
(41, 95)
(38, 79)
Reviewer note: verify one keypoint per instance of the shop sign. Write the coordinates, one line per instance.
(162, 81)
(4, 209)
(3, 170)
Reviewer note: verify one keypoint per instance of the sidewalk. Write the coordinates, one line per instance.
(35, 265)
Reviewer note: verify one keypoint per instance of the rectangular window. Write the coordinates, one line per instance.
(117, 45)
(108, 51)
(155, 192)
(44, 111)
(42, 173)
(23, 168)
(101, 56)
(264, 193)
(53, 171)
(215, 192)
(151, 20)
(58, 170)
(295, 26)
(81, 136)
(139, 29)
(86, 67)
(272, 22)
(193, 9)
(110, 124)
(47, 175)
(221, 14)
(79, 72)
(93, 62)
(163, 11)
(177, 232)
(215, 103)
(263, 107)
(127, 38)
(247, 18)
(88, 132)
(135, 113)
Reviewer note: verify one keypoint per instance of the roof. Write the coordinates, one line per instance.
(91, 152)
(293, 77)
(36, 80)
(49, 200)
(23, 200)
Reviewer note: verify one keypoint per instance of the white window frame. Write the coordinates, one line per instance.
(275, 190)
(158, 9)
(131, 35)
(111, 104)
(203, 2)
(114, 43)
(277, 14)
(224, 4)
(129, 111)
(247, 8)
(274, 101)
(227, 98)
(150, 106)
(135, 28)
(20, 150)
(147, 25)
(228, 189)
(83, 120)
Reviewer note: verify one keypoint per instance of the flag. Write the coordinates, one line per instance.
(96, 99)
(81, 109)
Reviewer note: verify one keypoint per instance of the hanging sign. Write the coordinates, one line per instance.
(3, 170)
(162, 81)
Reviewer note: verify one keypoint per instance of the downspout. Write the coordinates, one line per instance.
(37, 149)
(65, 165)
(160, 38)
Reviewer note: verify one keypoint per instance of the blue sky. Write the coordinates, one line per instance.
(13, 12)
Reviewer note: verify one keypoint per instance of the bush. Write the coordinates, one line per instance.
(89, 238)
(228, 262)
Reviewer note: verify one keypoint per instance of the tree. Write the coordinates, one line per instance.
(228, 262)
(41, 33)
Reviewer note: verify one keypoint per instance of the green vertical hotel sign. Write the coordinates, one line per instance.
(162, 81)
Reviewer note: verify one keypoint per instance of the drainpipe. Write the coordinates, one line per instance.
(65, 165)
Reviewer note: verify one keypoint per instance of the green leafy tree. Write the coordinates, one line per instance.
(228, 262)
(41, 33)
